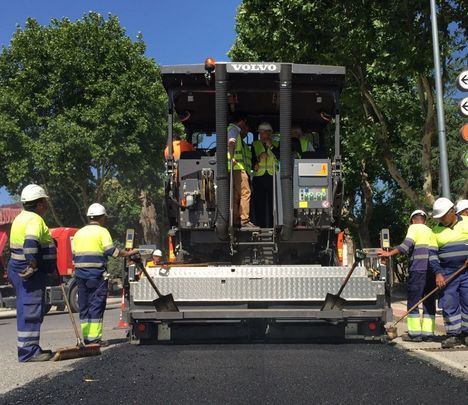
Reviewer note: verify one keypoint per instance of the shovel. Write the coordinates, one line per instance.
(335, 302)
(164, 303)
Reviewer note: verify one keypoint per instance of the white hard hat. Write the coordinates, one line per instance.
(461, 206)
(33, 192)
(96, 210)
(157, 252)
(265, 126)
(441, 206)
(418, 212)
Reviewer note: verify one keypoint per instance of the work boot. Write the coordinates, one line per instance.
(40, 357)
(429, 338)
(409, 338)
(249, 225)
(46, 351)
(451, 342)
(465, 339)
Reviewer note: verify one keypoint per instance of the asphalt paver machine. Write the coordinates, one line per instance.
(256, 283)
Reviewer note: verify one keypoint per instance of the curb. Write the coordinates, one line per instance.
(112, 303)
(444, 364)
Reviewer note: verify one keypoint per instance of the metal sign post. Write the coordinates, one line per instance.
(444, 173)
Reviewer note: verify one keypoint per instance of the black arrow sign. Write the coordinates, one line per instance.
(465, 105)
(464, 79)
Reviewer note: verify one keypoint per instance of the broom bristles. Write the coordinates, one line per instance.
(77, 352)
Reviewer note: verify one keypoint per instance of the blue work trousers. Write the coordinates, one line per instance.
(92, 296)
(30, 310)
(454, 303)
(420, 284)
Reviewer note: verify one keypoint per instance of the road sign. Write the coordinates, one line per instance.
(464, 106)
(464, 132)
(462, 81)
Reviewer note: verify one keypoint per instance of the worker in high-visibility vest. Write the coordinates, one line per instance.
(265, 157)
(421, 280)
(242, 167)
(300, 143)
(447, 254)
(33, 256)
(92, 246)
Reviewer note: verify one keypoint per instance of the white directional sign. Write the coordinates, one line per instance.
(462, 81)
(464, 107)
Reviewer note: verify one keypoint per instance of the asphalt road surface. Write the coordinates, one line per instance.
(353, 373)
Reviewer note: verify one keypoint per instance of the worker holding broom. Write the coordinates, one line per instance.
(421, 280)
(449, 253)
(33, 255)
(92, 246)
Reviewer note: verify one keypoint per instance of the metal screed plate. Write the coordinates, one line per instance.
(257, 283)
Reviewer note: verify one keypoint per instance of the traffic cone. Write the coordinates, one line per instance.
(122, 324)
(172, 256)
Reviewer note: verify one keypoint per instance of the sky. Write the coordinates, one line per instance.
(175, 31)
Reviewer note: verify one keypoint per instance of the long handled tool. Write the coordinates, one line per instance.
(80, 350)
(392, 331)
(334, 301)
(164, 303)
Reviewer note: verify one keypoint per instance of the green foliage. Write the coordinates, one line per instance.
(386, 108)
(81, 112)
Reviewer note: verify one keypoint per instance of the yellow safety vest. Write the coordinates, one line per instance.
(242, 154)
(92, 245)
(30, 240)
(269, 164)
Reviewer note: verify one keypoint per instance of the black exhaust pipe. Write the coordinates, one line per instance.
(222, 178)
(285, 151)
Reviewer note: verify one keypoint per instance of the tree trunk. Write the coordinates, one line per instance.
(384, 142)
(151, 233)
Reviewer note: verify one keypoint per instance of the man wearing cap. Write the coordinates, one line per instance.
(92, 246)
(33, 255)
(265, 157)
(462, 208)
(240, 156)
(421, 280)
(447, 254)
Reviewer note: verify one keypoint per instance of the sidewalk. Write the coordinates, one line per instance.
(454, 361)
(5, 313)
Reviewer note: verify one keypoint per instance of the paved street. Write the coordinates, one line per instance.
(218, 374)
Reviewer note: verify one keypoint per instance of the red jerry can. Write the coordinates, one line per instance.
(63, 237)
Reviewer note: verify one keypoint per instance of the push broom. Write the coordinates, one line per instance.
(392, 329)
(80, 350)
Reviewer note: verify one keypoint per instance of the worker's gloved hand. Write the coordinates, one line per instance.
(135, 257)
(28, 272)
(262, 156)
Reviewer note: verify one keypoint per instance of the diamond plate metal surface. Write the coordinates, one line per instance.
(257, 283)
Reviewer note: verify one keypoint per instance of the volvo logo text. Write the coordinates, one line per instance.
(254, 67)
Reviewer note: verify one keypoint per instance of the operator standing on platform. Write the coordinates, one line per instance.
(266, 154)
(33, 255)
(92, 245)
(242, 159)
(421, 280)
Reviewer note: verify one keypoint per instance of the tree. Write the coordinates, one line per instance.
(82, 113)
(389, 116)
